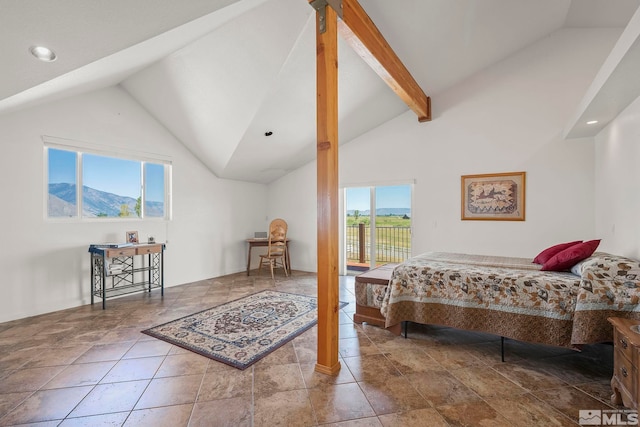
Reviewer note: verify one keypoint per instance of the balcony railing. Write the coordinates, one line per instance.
(393, 244)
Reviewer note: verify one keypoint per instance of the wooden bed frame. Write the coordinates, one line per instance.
(364, 314)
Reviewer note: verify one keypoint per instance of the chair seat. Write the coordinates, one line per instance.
(274, 261)
(277, 247)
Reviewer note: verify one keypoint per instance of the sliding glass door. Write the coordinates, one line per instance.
(378, 225)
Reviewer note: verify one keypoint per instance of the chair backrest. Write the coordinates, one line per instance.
(277, 237)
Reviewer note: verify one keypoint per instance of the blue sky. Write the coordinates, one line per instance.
(62, 166)
(117, 176)
(155, 182)
(394, 196)
(110, 174)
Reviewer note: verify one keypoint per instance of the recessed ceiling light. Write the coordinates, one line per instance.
(43, 53)
(592, 122)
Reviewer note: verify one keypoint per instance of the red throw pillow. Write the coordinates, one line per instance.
(569, 257)
(546, 255)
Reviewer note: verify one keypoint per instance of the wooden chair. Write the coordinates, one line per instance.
(277, 249)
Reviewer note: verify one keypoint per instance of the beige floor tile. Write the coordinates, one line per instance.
(108, 398)
(143, 368)
(313, 379)
(8, 401)
(412, 360)
(79, 375)
(106, 420)
(389, 342)
(527, 376)
(371, 367)
(417, 418)
(283, 408)
(226, 384)
(122, 334)
(349, 330)
(148, 349)
(569, 401)
(273, 378)
(527, 410)
(57, 356)
(233, 412)
(441, 387)
(283, 355)
(600, 390)
(358, 346)
(173, 416)
(30, 379)
(486, 382)
(392, 394)
(11, 360)
(572, 368)
(46, 405)
(452, 357)
(340, 402)
(185, 363)
(477, 413)
(104, 352)
(170, 391)
(361, 422)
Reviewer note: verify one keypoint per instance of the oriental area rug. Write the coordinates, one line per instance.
(241, 332)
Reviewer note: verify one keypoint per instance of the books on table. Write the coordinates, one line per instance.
(112, 245)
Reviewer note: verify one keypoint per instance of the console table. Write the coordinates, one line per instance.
(130, 276)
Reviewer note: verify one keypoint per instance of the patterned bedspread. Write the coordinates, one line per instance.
(511, 297)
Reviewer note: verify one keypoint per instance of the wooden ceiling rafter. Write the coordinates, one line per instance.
(361, 33)
(357, 29)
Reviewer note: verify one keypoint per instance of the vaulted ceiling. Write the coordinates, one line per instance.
(220, 74)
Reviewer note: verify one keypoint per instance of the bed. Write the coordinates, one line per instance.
(511, 297)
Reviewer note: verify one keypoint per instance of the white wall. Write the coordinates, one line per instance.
(617, 204)
(45, 264)
(507, 118)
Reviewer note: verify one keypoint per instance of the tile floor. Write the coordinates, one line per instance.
(89, 367)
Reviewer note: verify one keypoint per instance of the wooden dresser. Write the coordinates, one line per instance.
(625, 383)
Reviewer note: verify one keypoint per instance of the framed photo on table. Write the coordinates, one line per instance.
(132, 237)
(496, 196)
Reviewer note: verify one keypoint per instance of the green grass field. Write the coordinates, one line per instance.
(393, 238)
(381, 221)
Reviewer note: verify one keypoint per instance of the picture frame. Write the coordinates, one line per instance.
(493, 196)
(132, 237)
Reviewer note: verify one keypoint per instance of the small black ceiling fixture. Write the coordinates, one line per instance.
(268, 133)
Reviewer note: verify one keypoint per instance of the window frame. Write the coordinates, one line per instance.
(80, 148)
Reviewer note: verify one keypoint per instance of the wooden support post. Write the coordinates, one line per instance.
(361, 243)
(364, 37)
(327, 176)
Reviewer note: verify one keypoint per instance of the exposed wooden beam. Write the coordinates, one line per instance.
(357, 28)
(327, 186)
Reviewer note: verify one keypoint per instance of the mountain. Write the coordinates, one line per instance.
(95, 203)
(384, 212)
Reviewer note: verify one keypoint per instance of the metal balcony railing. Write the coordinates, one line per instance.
(393, 244)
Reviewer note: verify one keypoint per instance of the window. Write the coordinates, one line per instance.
(62, 200)
(378, 225)
(107, 186)
(154, 190)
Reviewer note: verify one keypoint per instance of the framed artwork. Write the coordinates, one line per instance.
(494, 196)
(132, 237)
